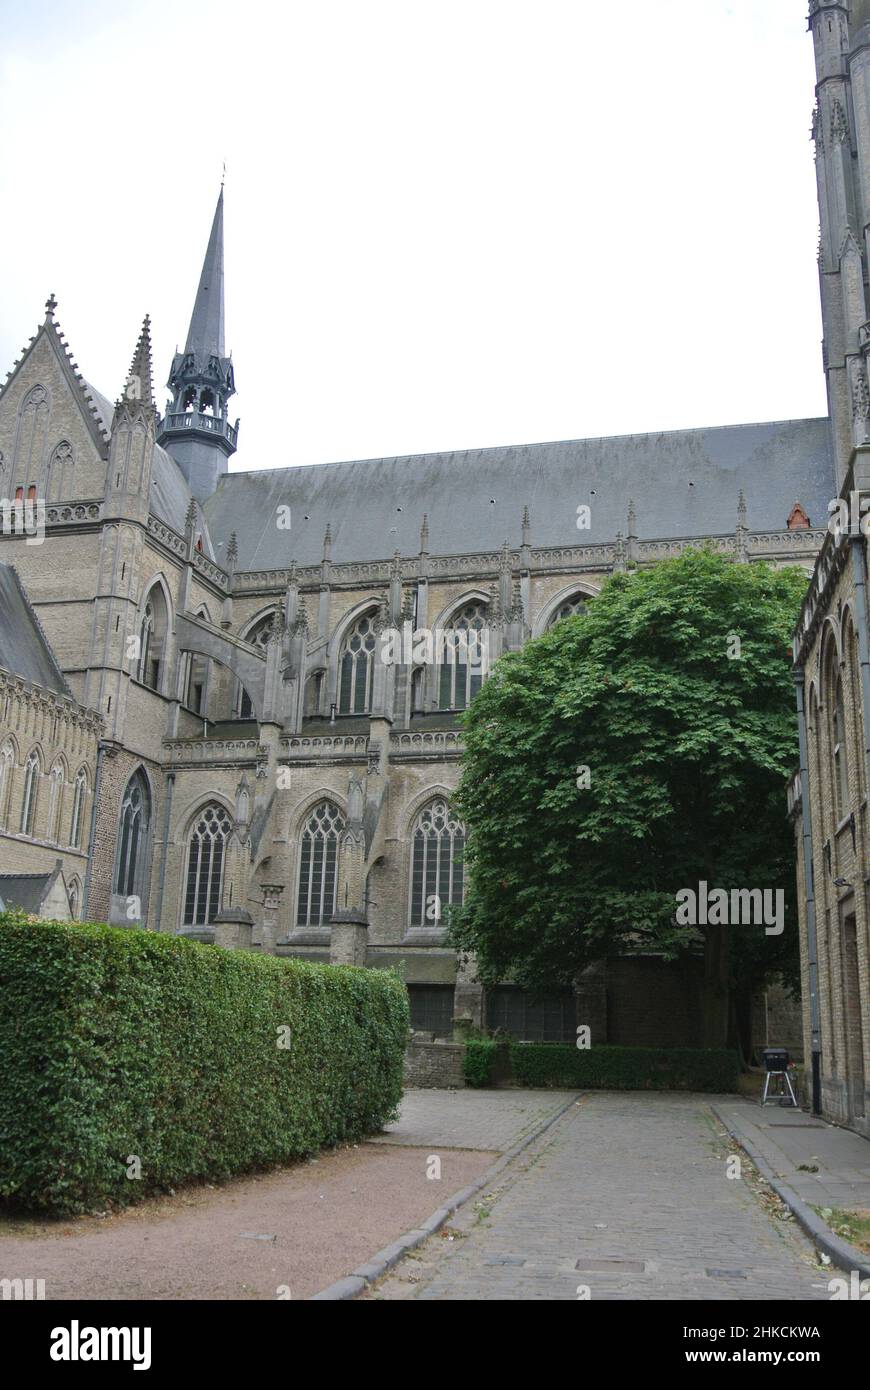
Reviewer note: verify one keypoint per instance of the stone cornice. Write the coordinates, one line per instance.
(760, 545)
(67, 708)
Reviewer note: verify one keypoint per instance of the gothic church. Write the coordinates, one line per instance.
(197, 734)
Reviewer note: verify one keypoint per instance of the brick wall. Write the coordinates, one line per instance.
(434, 1064)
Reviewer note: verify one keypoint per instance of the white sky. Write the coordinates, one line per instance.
(448, 224)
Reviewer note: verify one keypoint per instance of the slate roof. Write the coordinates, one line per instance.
(24, 648)
(104, 407)
(684, 483)
(26, 891)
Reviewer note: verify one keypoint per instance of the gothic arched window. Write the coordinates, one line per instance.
(7, 770)
(839, 751)
(570, 608)
(461, 658)
(58, 484)
(55, 802)
(133, 827)
(318, 861)
(437, 876)
(205, 865)
(32, 770)
(152, 638)
(78, 809)
(356, 667)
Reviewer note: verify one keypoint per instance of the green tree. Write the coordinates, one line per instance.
(675, 691)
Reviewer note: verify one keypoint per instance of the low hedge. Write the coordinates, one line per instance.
(624, 1068)
(480, 1054)
(120, 1044)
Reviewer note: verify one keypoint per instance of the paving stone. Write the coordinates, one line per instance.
(634, 1190)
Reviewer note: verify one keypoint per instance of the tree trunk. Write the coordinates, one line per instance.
(740, 1032)
(716, 1012)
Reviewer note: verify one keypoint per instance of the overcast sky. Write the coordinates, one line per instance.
(448, 225)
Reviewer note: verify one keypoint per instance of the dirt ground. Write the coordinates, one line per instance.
(285, 1234)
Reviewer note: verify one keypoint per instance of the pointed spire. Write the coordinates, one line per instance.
(632, 520)
(424, 535)
(327, 542)
(139, 385)
(205, 337)
(190, 519)
(527, 525)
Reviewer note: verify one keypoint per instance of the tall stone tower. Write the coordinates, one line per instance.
(841, 131)
(196, 430)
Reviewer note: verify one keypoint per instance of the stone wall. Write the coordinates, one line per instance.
(829, 654)
(433, 1063)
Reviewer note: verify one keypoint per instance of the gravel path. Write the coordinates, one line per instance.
(321, 1219)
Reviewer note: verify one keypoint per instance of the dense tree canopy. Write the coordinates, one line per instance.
(675, 691)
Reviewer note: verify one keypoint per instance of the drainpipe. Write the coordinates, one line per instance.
(858, 574)
(812, 956)
(170, 787)
(98, 780)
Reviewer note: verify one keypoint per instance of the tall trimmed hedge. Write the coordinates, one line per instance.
(120, 1043)
(477, 1064)
(624, 1068)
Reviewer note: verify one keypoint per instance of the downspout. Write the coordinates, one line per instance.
(98, 781)
(810, 898)
(859, 577)
(170, 787)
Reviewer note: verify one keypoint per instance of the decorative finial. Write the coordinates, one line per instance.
(632, 519)
(223, 173)
(233, 548)
(517, 613)
(424, 533)
(741, 509)
(50, 306)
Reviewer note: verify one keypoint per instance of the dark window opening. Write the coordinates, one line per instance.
(432, 1009)
(550, 1017)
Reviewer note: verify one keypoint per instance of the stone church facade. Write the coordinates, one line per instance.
(259, 771)
(829, 795)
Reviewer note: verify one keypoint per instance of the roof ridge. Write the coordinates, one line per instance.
(532, 444)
